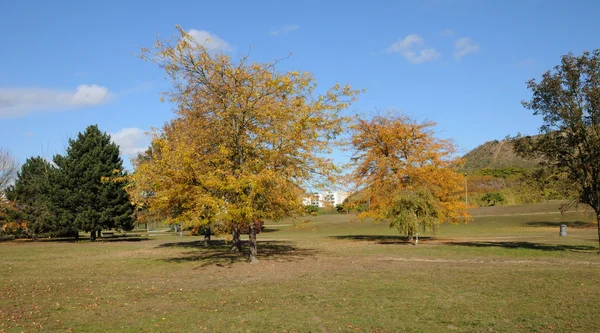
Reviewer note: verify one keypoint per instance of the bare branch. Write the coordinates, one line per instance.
(8, 169)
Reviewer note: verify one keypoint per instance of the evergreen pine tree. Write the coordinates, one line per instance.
(32, 194)
(90, 203)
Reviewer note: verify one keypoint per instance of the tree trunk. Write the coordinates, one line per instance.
(99, 233)
(252, 239)
(598, 220)
(237, 243)
(93, 235)
(207, 236)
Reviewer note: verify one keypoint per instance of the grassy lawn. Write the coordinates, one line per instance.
(506, 271)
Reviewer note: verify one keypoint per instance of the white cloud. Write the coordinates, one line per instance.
(131, 140)
(89, 95)
(410, 41)
(284, 30)
(412, 48)
(210, 41)
(464, 46)
(18, 102)
(49, 160)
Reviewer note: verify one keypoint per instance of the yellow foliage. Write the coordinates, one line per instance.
(15, 227)
(396, 155)
(245, 140)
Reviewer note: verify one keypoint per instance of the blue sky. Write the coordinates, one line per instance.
(67, 64)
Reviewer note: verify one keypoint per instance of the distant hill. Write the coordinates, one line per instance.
(496, 154)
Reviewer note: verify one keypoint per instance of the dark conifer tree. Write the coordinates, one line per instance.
(84, 198)
(32, 194)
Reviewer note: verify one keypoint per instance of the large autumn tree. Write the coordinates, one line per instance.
(406, 175)
(568, 99)
(80, 196)
(245, 141)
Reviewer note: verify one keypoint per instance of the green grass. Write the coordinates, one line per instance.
(499, 273)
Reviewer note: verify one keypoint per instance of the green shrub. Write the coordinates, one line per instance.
(309, 209)
(493, 199)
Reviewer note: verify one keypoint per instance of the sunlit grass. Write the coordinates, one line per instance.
(498, 273)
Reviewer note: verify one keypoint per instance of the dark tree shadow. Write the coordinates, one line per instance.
(570, 224)
(122, 239)
(266, 230)
(56, 239)
(114, 239)
(219, 253)
(382, 239)
(528, 245)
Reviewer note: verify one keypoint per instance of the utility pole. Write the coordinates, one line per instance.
(466, 191)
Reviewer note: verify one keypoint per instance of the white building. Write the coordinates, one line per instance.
(325, 199)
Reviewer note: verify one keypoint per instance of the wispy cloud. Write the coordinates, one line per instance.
(19, 102)
(286, 29)
(138, 87)
(527, 62)
(464, 46)
(131, 140)
(210, 41)
(447, 33)
(412, 48)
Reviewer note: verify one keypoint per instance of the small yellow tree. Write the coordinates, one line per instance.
(406, 175)
(246, 139)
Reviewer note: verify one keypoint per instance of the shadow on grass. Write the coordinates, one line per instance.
(61, 240)
(219, 253)
(122, 239)
(571, 224)
(266, 230)
(116, 239)
(382, 239)
(529, 245)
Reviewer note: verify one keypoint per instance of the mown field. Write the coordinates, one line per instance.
(506, 271)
